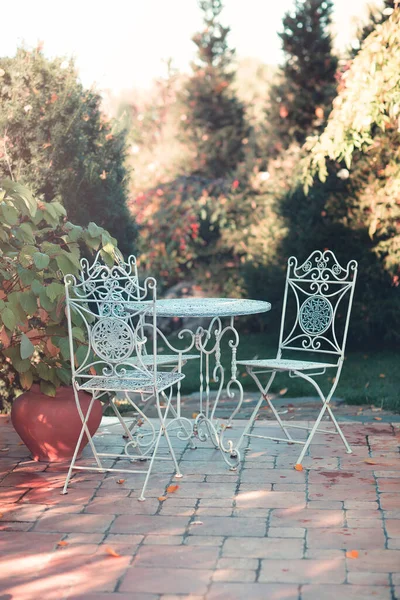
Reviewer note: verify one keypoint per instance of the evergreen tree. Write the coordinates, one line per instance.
(55, 139)
(215, 120)
(301, 100)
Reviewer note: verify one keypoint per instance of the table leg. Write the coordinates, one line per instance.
(207, 426)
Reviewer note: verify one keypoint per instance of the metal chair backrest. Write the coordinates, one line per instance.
(321, 291)
(112, 307)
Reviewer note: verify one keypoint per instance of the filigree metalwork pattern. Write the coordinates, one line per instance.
(315, 315)
(112, 339)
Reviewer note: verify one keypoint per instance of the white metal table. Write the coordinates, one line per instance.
(207, 341)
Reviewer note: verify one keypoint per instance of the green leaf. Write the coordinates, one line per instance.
(26, 380)
(21, 194)
(26, 275)
(66, 265)
(55, 290)
(26, 347)
(93, 243)
(43, 371)
(41, 260)
(94, 230)
(28, 301)
(45, 301)
(8, 318)
(19, 364)
(48, 388)
(10, 214)
(77, 319)
(63, 344)
(36, 287)
(15, 306)
(74, 231)
(25, 233)
(81, 354)
(26, 255)
(59, 209)
(78, 334)
(64, 376)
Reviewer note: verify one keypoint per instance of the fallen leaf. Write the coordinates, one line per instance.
(367, 384)
(62, 543)
(162, 498)
(112, 552)
(369, 461)
(382, 375)
(20, 444)
(377, 418)
(172, 488)
(120, 481)
(298, 467)
(352, 554)
(283, 391)
(195, 415)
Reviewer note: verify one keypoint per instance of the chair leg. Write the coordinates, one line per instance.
(325, 407)
(338, 429)
(178, 473)
(162, 431)
(250, 422)
(311, 435)
(142, 496)
(163, 428)
(264, 395)
(84, 429)
(127, 430)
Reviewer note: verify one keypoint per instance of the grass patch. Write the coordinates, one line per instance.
(371, 377)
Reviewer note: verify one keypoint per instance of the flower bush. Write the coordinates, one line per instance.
(38, 246)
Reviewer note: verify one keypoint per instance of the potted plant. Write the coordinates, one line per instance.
(38, 246)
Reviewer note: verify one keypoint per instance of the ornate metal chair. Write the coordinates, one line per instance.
(115, 311)
(126, 287)
(321, 294)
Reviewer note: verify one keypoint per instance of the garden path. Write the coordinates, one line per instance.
(266, 532)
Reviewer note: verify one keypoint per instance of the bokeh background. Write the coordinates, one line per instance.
(214, 140)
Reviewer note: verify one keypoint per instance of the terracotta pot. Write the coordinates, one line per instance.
(50, 427)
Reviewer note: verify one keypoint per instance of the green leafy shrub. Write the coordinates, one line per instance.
(37, 248)
(361, 144)
(55, 139)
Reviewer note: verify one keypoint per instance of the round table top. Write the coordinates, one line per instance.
(209, 307)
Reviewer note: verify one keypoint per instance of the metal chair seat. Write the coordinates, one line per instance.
(279, 364)
(165, 359)
(140, 383)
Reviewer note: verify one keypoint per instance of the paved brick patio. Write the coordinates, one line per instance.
(267, 532)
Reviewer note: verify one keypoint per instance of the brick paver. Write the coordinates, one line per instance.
(264, 532)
